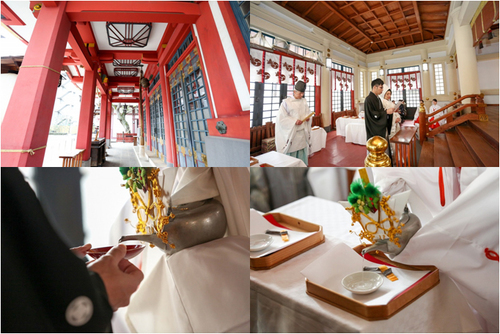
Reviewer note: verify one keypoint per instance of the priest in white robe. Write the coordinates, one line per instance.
(200, 288)
(293, 135)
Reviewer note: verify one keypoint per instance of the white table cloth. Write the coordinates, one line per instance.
(342, 122)
(318, 139)
(279, 302)
(279, 160)
(355, 133)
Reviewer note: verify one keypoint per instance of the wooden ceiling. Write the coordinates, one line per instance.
(374, 26)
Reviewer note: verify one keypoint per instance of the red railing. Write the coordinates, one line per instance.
(477, 113)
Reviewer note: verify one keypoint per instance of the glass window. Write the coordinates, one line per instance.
(438, 77)
(374, 75)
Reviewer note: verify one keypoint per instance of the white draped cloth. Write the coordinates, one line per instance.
(289, 136)
(456, 241)
(454, 237)
(189, 290)
(280, 302)
(318, 139)
(355, 133)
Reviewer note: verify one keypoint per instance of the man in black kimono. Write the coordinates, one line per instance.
(45, 287)
(375, 115)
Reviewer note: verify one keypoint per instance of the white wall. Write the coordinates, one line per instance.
(488, 73)
(8, 80)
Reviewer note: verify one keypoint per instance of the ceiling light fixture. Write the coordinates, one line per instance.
(131, 35)
(425, 66)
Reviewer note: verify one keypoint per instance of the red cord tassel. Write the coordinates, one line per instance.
(441, 187)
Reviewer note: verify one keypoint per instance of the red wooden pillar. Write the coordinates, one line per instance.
(27, 119)
(168, 118)
(148, 120)
(220, 81)
(104, 116)
(84, 137)
(108, 121)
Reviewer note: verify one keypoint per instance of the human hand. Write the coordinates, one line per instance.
(390, 111)
(81, 251)
(298, 122)
(121, 278)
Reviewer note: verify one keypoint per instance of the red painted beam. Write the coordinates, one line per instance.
(69, 61)
(10, 18)
(77, 80)
(167, 34)
(50, 3)
(78, 46)
(133, 11)
(27, 119)
(174, 42)
(129, 100)
(84, 136)
(108, 56)
(104, 116)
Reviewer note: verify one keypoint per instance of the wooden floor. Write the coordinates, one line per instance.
(338, 153)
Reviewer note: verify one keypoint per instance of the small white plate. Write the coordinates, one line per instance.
(363, 282)
(259, 242)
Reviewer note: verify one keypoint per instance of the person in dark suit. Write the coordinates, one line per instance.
(45, 287)
(375, 115)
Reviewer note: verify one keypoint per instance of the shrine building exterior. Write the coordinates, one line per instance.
(193, 99)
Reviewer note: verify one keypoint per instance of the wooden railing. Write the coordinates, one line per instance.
(477, 113)
(73, 158)
(405, 150)
(257, 134)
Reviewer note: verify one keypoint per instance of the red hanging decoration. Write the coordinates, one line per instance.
(441, 187)
(491, 255)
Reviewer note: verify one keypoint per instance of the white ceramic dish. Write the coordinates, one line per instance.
(362, 282)
(259, 242)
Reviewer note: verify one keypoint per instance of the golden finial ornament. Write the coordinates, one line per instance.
(377, 157)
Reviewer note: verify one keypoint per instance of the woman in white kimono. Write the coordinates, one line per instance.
(395, 119)
(293, 136)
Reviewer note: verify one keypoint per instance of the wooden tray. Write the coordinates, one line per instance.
(378, 312)
(285, 254)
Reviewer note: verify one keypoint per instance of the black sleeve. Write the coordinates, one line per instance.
(40, 275)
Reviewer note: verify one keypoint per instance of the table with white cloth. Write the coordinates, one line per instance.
(276, 159)
(279, 302)
(318, 139)
(341, 123)
(355, 133)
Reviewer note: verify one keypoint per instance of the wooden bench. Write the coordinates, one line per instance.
(126, 137)
(72, 158)
(258, 134)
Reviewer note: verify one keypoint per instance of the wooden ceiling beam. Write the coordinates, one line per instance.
(385, 8)
(337, 26)
(361, 17)
(311, 8)
(346, 19)
(398, 36)
(320, 22)
(417, 14)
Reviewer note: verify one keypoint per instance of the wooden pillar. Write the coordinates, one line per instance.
(104, 116)
(84, 136)
(27, 119)
(108, 122)
(148, 120)
(168, 118)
